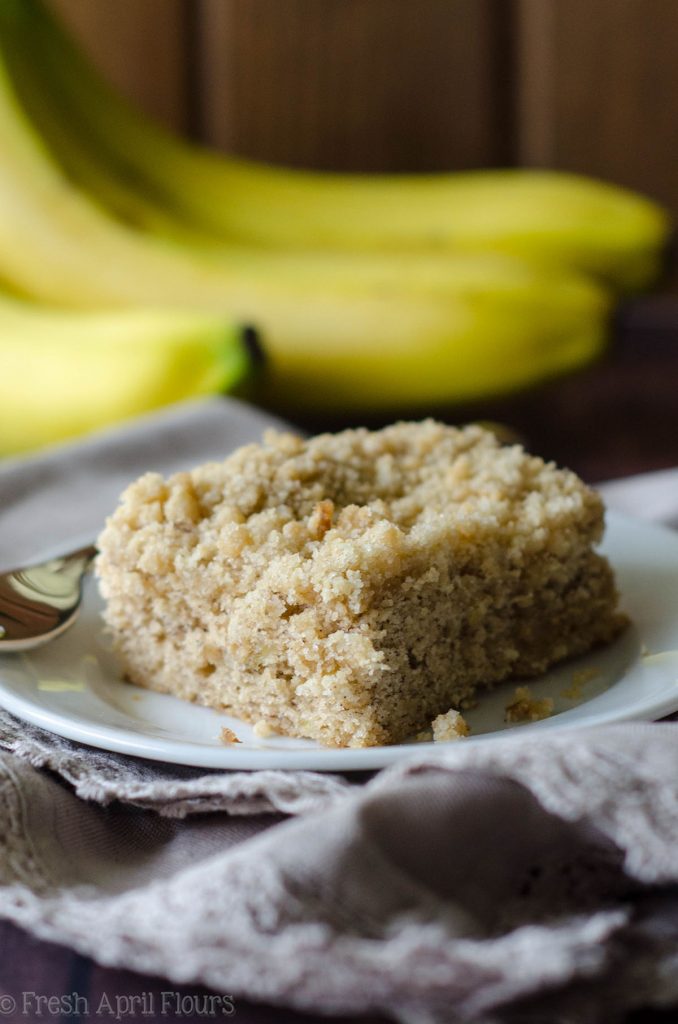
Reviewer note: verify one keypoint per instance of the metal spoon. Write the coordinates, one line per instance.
(40, 602)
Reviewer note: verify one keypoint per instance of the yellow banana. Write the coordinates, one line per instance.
(66, 373)
(495, 326)
(548, 216)
(424, 272)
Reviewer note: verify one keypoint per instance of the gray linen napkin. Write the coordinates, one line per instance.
(528, 879)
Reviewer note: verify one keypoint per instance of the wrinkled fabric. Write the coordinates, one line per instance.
(455, 887)
(530, 879)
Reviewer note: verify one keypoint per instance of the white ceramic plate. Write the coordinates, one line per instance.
(72, 686)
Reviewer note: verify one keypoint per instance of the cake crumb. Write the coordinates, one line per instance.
(426, 736)
(262, 730)
(449, 726)
(526, 708)
(579, 680)
(227, 736)
(321, 519)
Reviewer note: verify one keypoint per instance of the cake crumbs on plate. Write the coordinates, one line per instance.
(526, 708)
(579, 680)
(262, 730)
(449, 726)
(425, 736)
(227, 736)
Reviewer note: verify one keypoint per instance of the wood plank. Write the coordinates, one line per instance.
(345, 84)
(141, 45)
(534, 41)
(599, 90)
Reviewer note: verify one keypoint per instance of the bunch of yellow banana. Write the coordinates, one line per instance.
(369, 292)
(572, 221)
(117, 363)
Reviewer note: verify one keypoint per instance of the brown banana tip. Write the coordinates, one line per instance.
(252, 341)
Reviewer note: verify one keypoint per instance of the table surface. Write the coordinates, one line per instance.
(617, 418)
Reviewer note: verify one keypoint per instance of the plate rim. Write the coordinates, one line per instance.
(119, 740)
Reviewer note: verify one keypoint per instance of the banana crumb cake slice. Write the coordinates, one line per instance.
(352, 587)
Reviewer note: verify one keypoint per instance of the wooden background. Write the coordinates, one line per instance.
(588, 85)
